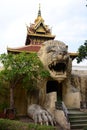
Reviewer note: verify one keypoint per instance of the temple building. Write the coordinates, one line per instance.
(37, 33)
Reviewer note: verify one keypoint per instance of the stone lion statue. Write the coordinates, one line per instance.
(41, 106)
(55, 58)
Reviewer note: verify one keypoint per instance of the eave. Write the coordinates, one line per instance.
(73, 55)
(41, 35)
(27, 49)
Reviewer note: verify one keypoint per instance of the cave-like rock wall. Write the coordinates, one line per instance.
(79, 81)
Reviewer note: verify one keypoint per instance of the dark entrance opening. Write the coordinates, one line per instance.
(54, 86)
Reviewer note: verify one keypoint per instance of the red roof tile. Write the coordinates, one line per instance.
(27, 48)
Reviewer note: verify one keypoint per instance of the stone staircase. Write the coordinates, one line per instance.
(77, 119)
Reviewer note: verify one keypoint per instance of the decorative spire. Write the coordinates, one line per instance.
(39, 11)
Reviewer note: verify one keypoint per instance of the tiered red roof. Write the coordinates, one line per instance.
(37, 33)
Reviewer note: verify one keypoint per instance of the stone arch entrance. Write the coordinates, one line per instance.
(54, 86)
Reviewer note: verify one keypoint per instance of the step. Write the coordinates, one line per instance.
(77, 109)
(76, 112)
(78, 119)
(78, 122)
(78, 126)
(77, 115)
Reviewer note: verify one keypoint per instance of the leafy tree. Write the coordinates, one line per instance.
(21, 67)
(82, 52)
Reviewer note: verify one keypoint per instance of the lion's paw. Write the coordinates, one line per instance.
(41, 115)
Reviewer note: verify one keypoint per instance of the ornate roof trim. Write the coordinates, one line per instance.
(41, 35)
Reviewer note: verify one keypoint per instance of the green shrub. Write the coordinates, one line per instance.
(40, 127)
(6, 124)
(3, 106)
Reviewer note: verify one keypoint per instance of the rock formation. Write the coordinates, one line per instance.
(61, 86)
(79, 81)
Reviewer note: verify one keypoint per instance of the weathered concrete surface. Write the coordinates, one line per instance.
(61, 119)
(59, 115)
(79, 81)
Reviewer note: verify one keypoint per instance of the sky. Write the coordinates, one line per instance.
(67, 18)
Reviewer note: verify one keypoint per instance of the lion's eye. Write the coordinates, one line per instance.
(49, 51)
(64, 52)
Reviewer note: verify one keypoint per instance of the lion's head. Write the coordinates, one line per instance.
(55, 58)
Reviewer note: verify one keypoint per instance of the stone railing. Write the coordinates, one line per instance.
(58, 105)
(65, 111)
(83, 105)
(61, 106)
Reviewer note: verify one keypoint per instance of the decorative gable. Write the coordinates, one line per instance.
(40, 29)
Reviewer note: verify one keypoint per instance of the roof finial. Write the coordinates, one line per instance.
(39, 11)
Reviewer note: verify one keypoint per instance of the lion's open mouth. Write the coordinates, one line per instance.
(59, 68)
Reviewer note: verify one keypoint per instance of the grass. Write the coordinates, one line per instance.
(6, 124)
